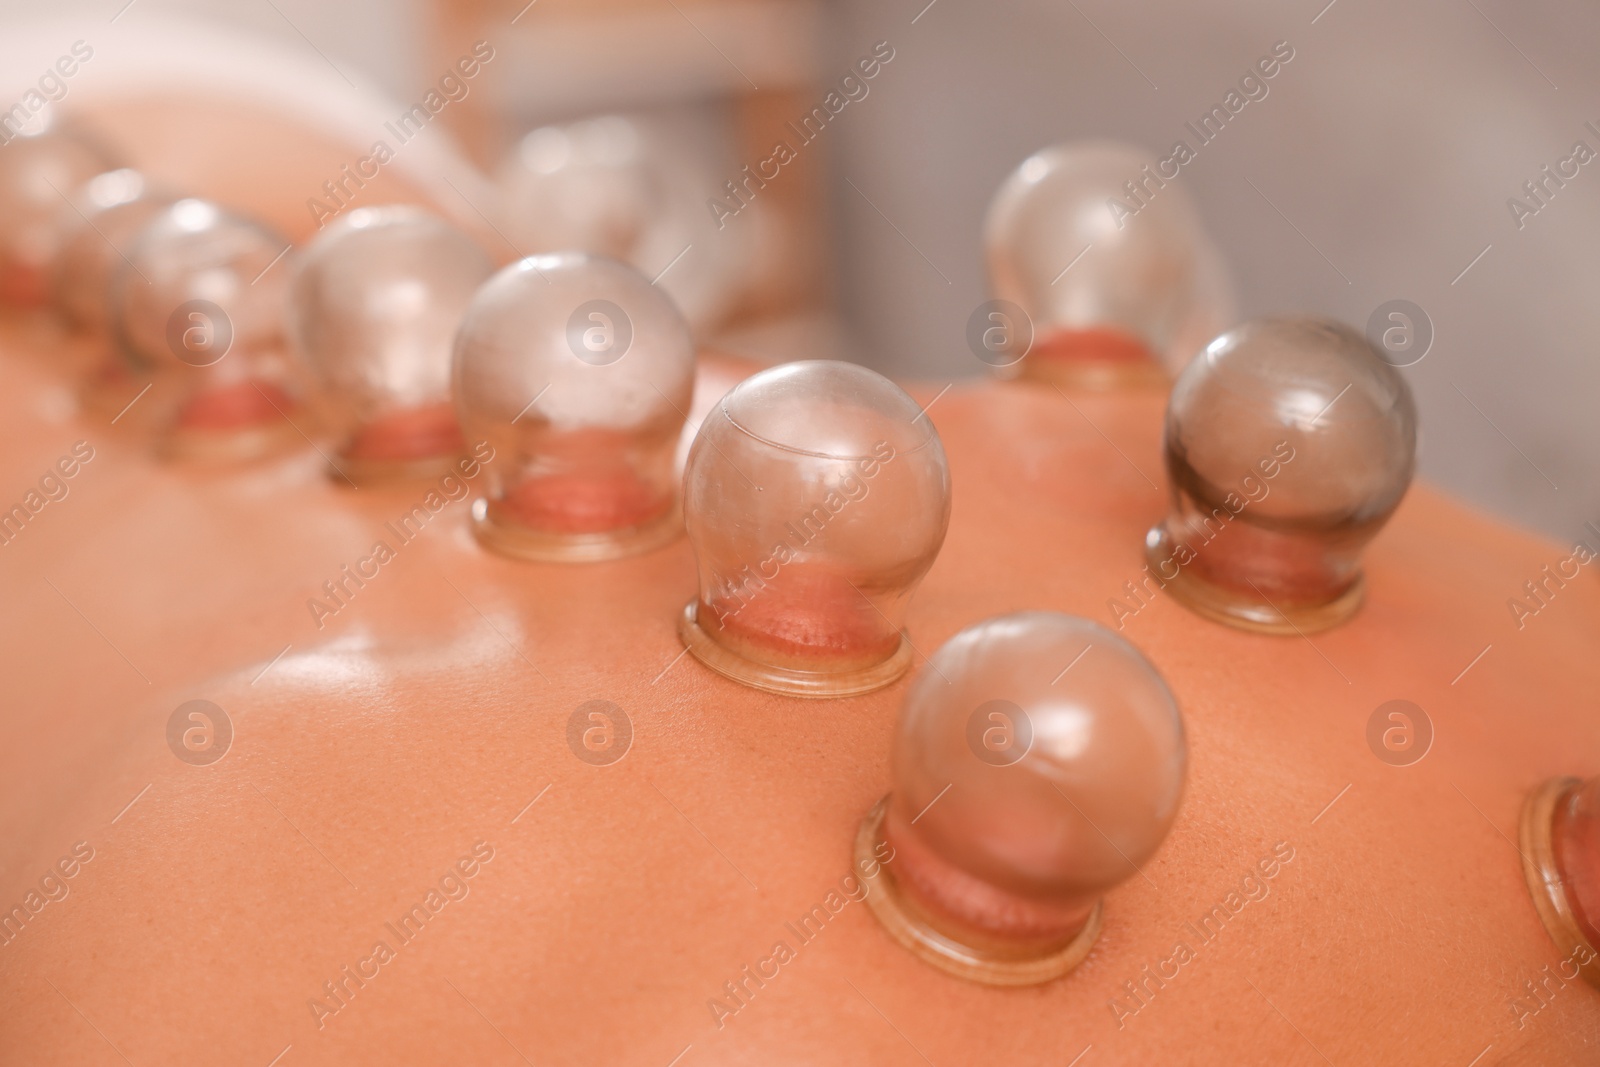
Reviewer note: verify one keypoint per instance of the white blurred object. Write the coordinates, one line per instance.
(1087, 235)
(251, 123)
(622, 187)
(374, 305)
(107, 213)
(192, 253)
(41, 169)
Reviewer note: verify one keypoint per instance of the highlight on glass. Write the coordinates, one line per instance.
(1101, 271)
(1289, 444)
(1039, 762)
(816, 497)
(199, 306)
(577, 373)
(1560, 846)
(374, 305)
(43, 164)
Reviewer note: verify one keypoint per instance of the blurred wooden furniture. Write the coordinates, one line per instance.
(754, 62)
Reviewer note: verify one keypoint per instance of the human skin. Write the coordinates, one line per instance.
(429, 713)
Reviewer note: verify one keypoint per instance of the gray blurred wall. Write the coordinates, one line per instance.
(1391, 142)
(1389, 146)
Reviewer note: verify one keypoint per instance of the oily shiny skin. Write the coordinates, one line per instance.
(371, 759)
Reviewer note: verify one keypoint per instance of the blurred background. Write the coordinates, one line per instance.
(1379, 166)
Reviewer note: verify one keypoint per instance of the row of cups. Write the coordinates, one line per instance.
(816, 495)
